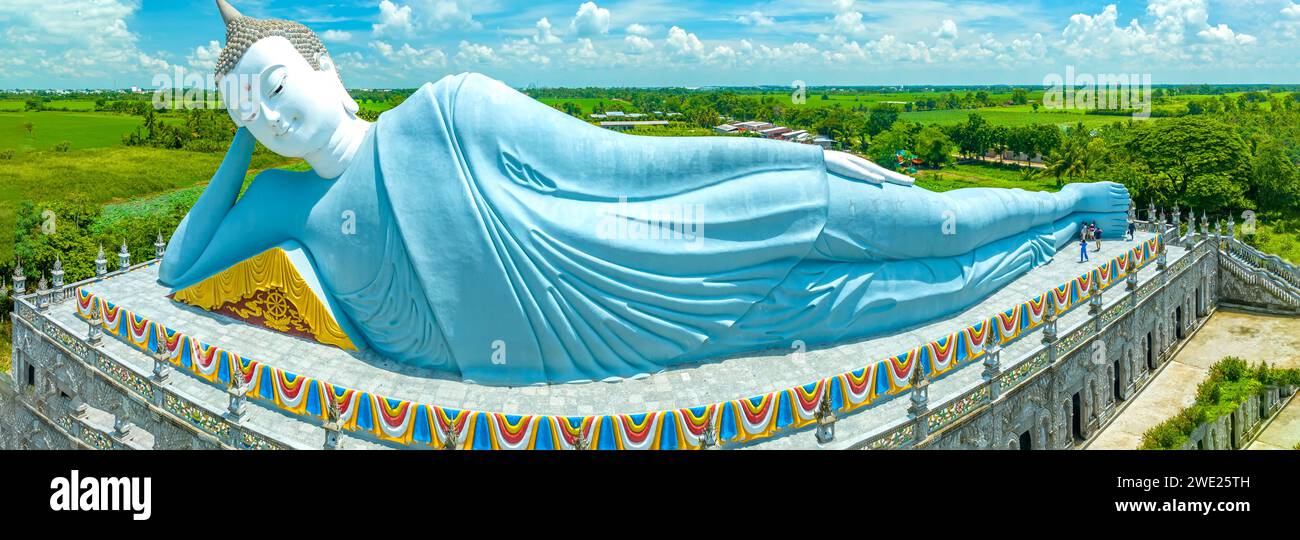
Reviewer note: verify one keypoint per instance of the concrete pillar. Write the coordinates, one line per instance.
(101, 263)
(123, 257)
(235, 391)
(159, 247)
(95, 324)
(1049, 319)
(160, 364)
(825, 418)
(331, 424)
(20, 281)
(56, 275)
(993, 364)
(1094, 296)
(920, 396)
(42, 295)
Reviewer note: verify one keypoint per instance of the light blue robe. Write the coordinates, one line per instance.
(518, 245)
(502, 202)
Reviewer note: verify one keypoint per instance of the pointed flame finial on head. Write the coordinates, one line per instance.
(228, 12)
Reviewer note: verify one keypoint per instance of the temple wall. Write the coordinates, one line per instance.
(1042, 409)
(63, 393)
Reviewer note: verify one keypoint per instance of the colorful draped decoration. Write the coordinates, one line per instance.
(738, 421)
(268, 291)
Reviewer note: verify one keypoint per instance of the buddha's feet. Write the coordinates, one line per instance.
(1098, 197)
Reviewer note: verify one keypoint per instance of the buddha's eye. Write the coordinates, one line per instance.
(275, 82)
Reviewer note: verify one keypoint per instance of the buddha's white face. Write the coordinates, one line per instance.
(290, 107)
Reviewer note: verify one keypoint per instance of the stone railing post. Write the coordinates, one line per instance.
(236, 391)
(451, 437)
(121, 426)
(101, 263)
(159, 247)
(920, 396)
(42, 295)
(709, 439)
(56, 275)
(332, 425)
(20, 281)
(160, 355)
(123, 257)
(1049, 320)
(1178, 225)
(1094, 298)
(95, 332)
(825, 418)
(993, 365)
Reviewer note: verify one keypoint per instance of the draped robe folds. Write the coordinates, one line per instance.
(550, 250)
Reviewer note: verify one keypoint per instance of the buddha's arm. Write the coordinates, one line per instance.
(219, 232)
(194, 234)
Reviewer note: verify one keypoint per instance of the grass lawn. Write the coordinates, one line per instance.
(69, 104)
(982, 175)
(1278, 236)
(83, 130)
(1019, 115)
(105, 175)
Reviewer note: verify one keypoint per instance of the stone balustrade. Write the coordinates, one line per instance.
(169, 414)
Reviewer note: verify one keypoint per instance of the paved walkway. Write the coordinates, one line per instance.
(1283, 433)
(683, 386)
(1254, 338)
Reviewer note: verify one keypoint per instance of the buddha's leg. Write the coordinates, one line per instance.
(892, 222)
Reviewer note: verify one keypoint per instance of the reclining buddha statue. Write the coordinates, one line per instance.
(480, 234)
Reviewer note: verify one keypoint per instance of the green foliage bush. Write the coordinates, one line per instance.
(1231, 382)
(62, 146)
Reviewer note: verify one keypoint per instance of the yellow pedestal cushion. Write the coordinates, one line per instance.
(268, 291)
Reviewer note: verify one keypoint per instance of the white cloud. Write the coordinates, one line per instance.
(1291, 11)
(947, 30)
(682, 43)
(637, 30)
(583, 52)
(544, 33)
(755, 18)
(1223, 34)
(591, 20)
(394, 20)
(336, 36)
(446, 14)
(849, 23)
(639, 44)
(74, 40)
(204, 58)
(525, 51)
(472, 53)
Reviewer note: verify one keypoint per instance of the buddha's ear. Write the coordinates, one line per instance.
(327, 65)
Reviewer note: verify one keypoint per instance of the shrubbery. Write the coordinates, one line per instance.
(1231, 382)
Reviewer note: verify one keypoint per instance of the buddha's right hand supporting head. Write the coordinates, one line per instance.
(278, 81)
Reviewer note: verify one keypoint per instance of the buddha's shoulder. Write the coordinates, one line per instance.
(458, 87)
(278, 182)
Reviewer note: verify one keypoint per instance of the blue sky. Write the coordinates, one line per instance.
(404, 43)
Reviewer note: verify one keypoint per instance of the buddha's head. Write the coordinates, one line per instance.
(278, 81)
